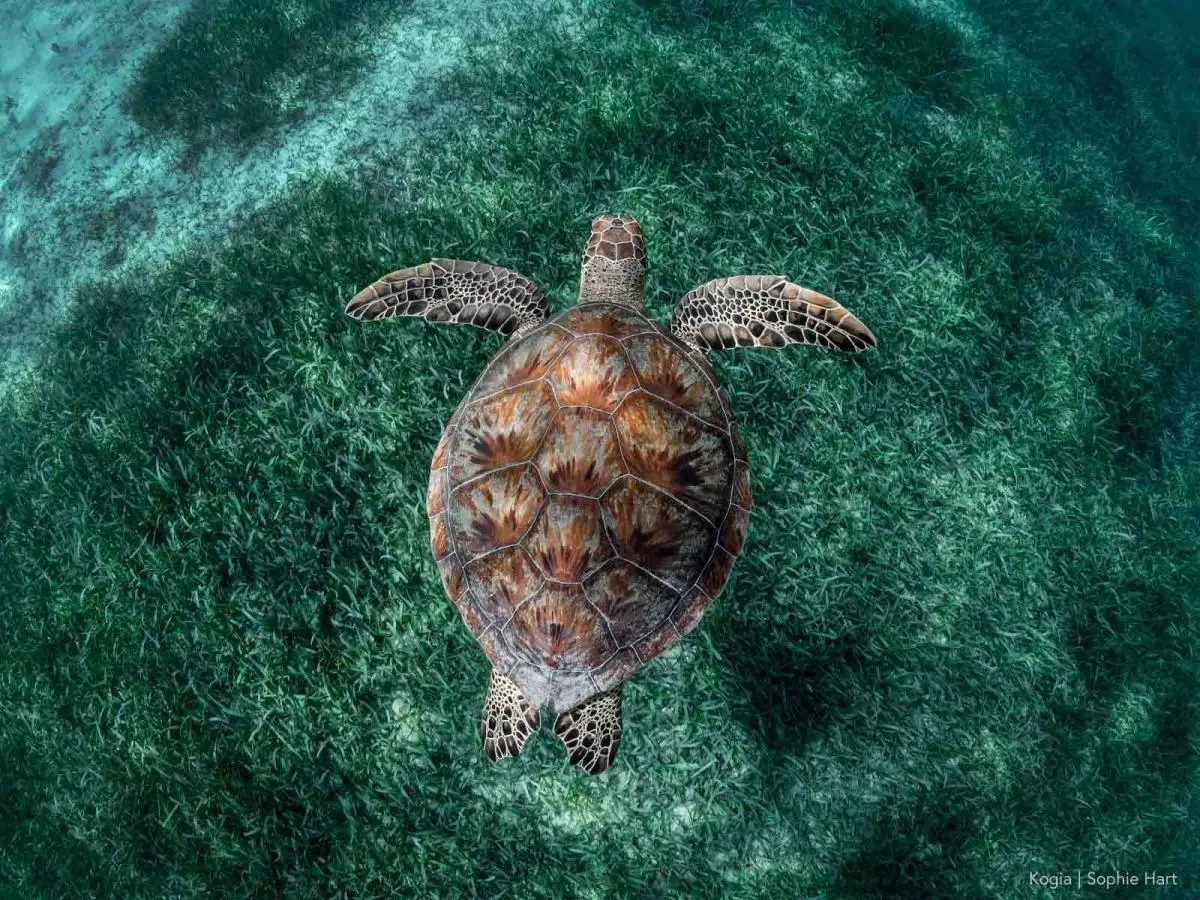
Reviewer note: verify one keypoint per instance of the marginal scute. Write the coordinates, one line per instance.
(501, 430)
(439, 537)
(559, 688)
(443, 449)
(567, 541)
(739, 450)
(616, 669)
(497, 648)
(733, 531)
(435, 496)
(716, 573)
(526, 359)
(657, 533)
(632, 601)
(454, 579)
(494, 510)
(689, 459)
(502, 581)
(742, 495)
(604, 318)
(672, 374)
(470, 615)
(593, 371)
(690, 610)
(580, 454)
(537, 682)
(658, 640)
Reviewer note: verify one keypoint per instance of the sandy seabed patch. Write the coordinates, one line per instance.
(84, 193)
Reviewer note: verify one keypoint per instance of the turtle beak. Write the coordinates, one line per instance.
(629, 223)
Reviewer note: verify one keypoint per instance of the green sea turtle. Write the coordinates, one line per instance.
(590, 494)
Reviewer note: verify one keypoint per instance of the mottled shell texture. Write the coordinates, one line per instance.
(587, 501)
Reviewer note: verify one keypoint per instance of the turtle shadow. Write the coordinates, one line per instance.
(795, 683)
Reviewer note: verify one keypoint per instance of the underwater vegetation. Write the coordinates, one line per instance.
(234, 70)
(960, 644)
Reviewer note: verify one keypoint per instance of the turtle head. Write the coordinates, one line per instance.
(614, 262)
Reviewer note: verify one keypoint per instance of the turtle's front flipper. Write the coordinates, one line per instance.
(508, 719)
(592, 731)
(764, 311)
(454, 290)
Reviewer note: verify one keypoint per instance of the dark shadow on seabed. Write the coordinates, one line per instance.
(234, 72)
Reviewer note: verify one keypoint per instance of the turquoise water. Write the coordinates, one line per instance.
(89, 192)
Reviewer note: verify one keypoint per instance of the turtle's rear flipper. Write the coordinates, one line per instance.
(765, 311)
(456, 291)
(508, 719)
(592, 731)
